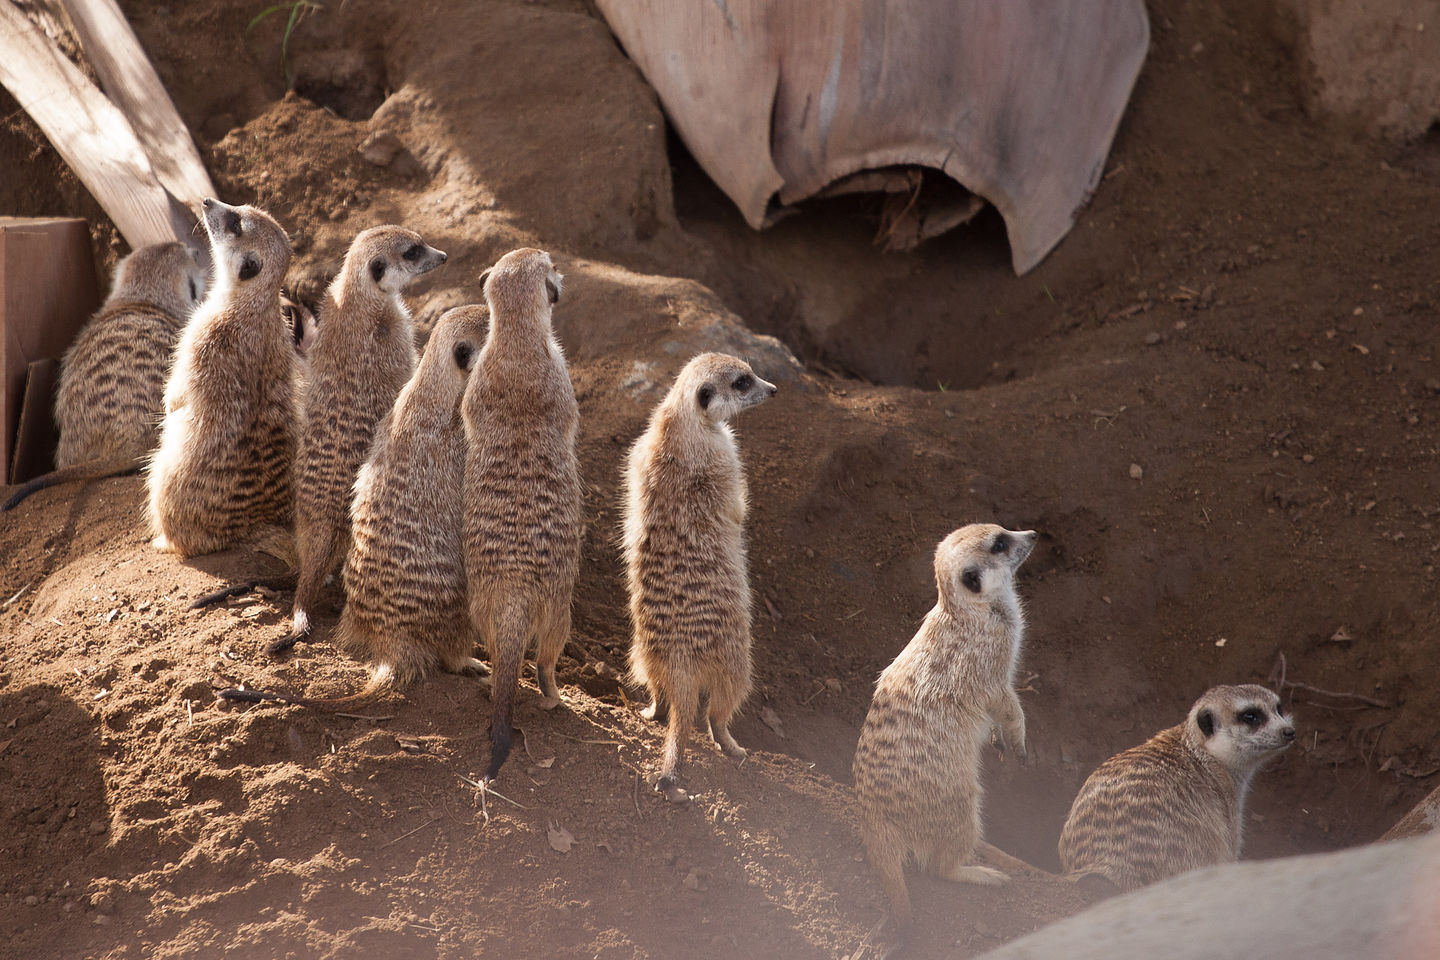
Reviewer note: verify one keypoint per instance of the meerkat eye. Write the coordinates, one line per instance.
(193, 294)
(1252, 717)
(232, 223)
(1001, 544)
(413, 252)
(743, 382)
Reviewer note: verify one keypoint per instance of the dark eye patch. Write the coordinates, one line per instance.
(1001, 544)
(232, 223)
(1251, 716)
(412, 253)
(463, 353)
(743, 382)
(194, 294)
(1205, 720)
(249, 268)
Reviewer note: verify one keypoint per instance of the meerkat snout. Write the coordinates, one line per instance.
(967, 574)
(725, 393)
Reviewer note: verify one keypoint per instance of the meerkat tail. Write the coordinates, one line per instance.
(507, 659)
(89, 470)
(888, 863)
(284, 581)
(682, 715)
(383, 677)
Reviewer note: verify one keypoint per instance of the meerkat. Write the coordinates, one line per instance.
(917, 765)
(221, 474)
(404, 576)
(521, 493)
(112, 379)
(301, 321)
(684, 545)
(363, 353)
(1177, 801)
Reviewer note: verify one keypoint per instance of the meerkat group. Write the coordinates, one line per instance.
(448, 492)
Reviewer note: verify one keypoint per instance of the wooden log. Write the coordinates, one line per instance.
(130, 81)
(88, 131)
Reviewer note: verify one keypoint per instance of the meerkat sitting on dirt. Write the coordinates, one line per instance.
(1177, 801)
(221, 474)
(112, 379)
(363, 353)
(917, 765)
(521, 492)
(684, 543)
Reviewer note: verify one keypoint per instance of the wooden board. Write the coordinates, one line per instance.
(47, 292)
(90, 132)
(1018, 100)
(131, 83)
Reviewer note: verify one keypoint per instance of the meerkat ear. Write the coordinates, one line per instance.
(485, 275)
(706, 394)
(970, 579)
(552, 290)
(1205, 720)
(249, 267)
(463, 352)
(377, 269)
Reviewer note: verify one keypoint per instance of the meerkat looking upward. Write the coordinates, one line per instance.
(917, 765)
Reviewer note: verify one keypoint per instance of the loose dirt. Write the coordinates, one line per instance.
(1217, 400)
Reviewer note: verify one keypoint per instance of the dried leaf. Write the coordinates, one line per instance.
(547, 763)
(5, 745)
(560, 839)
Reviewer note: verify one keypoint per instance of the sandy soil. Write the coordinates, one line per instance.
(1246, 312)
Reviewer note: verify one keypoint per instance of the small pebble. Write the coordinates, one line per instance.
(1137, 472)
(1152, 338)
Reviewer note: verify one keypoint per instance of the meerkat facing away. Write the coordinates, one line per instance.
(684, 544)
(521, 493)
(221, 474)
(363, 353)
(112, 378)
(917, 764)
(405, 573)
(1176, 801)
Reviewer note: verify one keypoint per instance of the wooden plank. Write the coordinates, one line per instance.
(47, 292)
(130, 81)
(36, 432)
(1016, 100)
(90, 132)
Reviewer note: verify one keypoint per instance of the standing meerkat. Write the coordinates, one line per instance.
(221, 475)
(112, 379)
(1177, 801)
(917, 765)
(405, 611)
(684, 543)
(521, 493)
(363, 353)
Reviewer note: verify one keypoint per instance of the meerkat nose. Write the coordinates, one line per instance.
(208, 202)
(443, 255)
(774, 389)
(1288, 733)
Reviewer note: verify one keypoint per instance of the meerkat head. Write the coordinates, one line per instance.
(719, 386)
(168, 275)
(1241, 726)
(391, 257)
(301, 321)
(248, 248)
(458, 336)
(977, 563)
(523, 283)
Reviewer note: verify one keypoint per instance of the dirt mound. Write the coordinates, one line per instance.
(1217, 400)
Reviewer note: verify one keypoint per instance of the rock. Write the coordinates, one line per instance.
(1137, 472)
(381, 148)
(1152, 338)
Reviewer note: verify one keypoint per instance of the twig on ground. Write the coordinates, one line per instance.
(1338, 695)
(410, 832)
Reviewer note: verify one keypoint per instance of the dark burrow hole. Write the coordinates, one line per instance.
(351, 83)
(819, 281)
